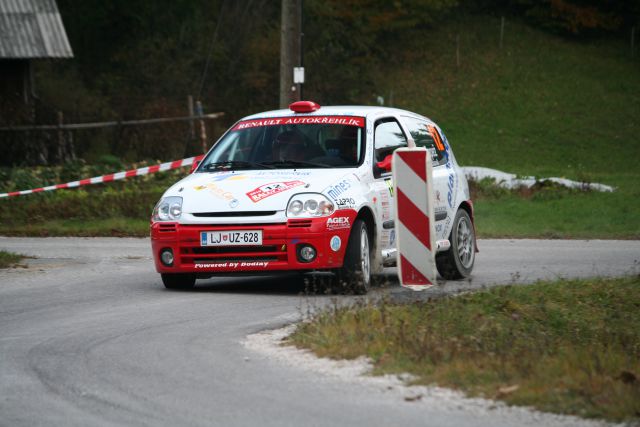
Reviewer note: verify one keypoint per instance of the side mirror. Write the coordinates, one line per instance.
(194, 165)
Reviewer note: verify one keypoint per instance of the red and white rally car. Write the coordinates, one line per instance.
(307, 189)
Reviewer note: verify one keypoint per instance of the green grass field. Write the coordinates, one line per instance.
(542, 106)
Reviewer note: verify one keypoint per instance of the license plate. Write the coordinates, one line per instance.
(231, 238)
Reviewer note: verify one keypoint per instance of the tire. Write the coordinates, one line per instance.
(355, 274)
(457, 262)
(179, 281)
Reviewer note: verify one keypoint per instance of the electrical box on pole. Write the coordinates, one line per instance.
(298, 75)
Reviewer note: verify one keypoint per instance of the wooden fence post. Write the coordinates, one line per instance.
(203, 128)
(60, 136)
(72, 147)
(192, 126)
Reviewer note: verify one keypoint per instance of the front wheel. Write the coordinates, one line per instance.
(355, 274)
(180, 281)
(457, 262)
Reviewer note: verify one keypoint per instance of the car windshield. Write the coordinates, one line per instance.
(289, 143)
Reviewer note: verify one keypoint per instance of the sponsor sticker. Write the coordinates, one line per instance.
(335, 243)
(217, 191)
(447, 222)
(385, 202)
(389, 183)
(436, 137)
(347, 202)
(270, 189)
(450, 187)
(234, 265)
(338, 223)
(336, 190)
(307, 120)
(257, 175)
(279, 174)
(230, 176)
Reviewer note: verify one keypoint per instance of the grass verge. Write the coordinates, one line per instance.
(110, 227)
(9, 259)
(120, 208)
(569, 347)
(551, 211)
(117, 209)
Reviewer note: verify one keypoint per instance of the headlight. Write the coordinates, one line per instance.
(168, 209)
(307, 205)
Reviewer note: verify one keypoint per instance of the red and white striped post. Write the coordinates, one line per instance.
(414, 218)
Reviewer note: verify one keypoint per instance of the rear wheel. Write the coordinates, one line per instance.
(181, 281)
(355, 274)
(457, 262)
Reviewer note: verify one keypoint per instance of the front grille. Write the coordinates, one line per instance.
(233, 214)
(166, 228)
(196, 254)
(233, 249)
(299, 223)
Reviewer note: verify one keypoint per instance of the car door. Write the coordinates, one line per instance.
(426, 134)
(388, 136)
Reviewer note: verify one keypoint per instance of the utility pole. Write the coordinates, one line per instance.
(300, 49)
(289, 50)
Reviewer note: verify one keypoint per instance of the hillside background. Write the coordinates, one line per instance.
(557, 95)
(562, 61)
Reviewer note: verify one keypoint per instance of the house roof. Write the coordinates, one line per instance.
(32, 29)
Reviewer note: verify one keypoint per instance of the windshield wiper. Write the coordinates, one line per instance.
(233, 164)
(298, 163)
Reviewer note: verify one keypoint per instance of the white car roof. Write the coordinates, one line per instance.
(340, 110)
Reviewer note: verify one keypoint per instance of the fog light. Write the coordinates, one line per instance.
(166, 256)
(306, 253)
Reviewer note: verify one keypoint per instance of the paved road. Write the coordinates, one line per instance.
(89, 336)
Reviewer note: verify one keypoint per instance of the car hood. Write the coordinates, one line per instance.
(263, 190)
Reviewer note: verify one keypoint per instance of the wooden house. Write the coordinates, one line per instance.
(30, 30)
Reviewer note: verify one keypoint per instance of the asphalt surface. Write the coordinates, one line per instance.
(89, 336)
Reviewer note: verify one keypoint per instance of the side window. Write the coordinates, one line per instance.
(388, 136)
(426, 135)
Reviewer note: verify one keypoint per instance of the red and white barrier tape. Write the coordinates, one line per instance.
(415, 235)
(111, 177)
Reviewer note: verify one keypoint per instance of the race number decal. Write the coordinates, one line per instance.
(270, 189)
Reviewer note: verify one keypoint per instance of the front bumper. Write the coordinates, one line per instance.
(278, 252)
